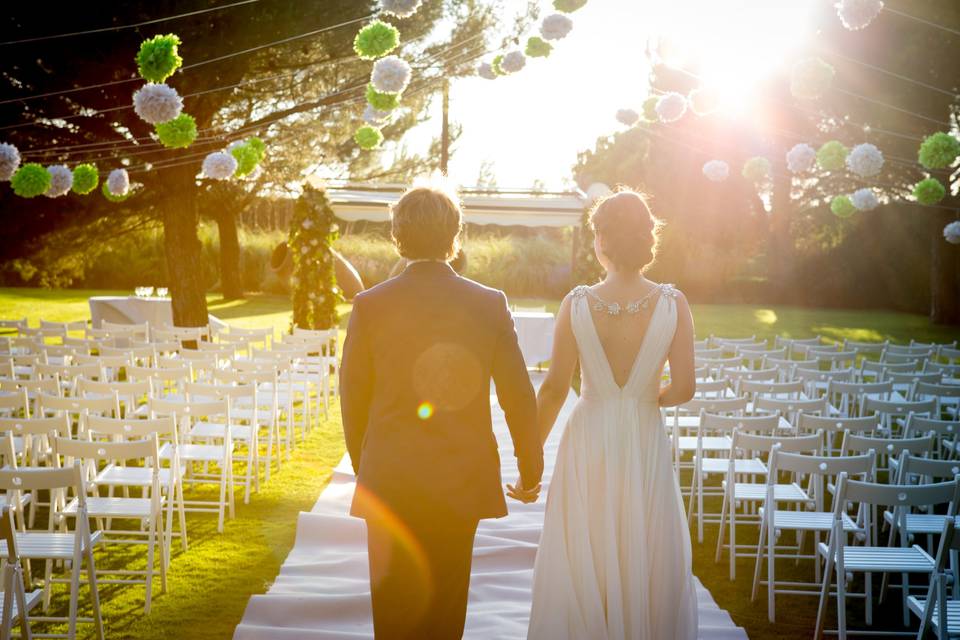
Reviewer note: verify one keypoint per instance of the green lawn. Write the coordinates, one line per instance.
(210, 583)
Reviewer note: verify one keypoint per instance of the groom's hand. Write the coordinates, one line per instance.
(526, 496)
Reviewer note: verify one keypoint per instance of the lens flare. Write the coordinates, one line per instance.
(425, 411)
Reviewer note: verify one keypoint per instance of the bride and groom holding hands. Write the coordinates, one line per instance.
(614, 559)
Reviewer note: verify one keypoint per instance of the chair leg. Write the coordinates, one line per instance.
(841, 603)
(94, 590)
(904, 593)
(6, 625)
(223, 496)
(824, 592)
(721, 530)
(733, 539)
(183, 515)
(149, 577)
(771, 568)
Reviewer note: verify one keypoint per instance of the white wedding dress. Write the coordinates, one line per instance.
(614, 559)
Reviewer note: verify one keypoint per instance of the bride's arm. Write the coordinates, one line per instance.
(683, 381)
(556, 386)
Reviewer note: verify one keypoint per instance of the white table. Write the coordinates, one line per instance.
(535, 333)
(135, 310)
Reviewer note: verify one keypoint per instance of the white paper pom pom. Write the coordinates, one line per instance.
(400, 8)
(219, 165)
(857, 14)
(671, 106)
(9, 161)
(556, 26)
(801, 158)
(157, 103)
(390, 75)
(61, 179)
(864, 199)
(118, 182)
(485, 70)
(716, 170)
(513, 62)
(865, 160)
(951, 232)
(374, 116)
(628, 117)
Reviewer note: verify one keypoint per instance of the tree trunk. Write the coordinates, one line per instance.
(780, 247)
(231, 283)
(183, 254)
(944, 272)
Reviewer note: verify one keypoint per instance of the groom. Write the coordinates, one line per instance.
(420, 351)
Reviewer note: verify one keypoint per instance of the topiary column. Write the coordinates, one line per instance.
(314, 283)
(586, 269)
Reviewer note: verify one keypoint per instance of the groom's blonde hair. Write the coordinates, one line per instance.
(427, 221)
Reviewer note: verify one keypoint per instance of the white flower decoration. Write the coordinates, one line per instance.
(865, 160)
(307, 223)
(801, 158)
(304, 249)
(716, 170)
(400, 8)
(857, 14)
(118, 182)
(485, 71)
(61, 179)
(864, 199)
(157, 103)
(236, 143)
(9, 161)
(513, 62)
(219, 165)
(390, 75)
(373, 116)
(951, 232)
(556, 26)
(671, 106)
(628, 117)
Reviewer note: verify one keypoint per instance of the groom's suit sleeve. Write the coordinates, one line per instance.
(517, 398)
(356, 384)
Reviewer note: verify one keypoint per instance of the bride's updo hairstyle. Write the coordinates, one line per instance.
(626, 230)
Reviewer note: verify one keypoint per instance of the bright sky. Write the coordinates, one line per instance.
(532, 125)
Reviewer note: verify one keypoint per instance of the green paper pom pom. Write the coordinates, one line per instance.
(375, 40)
(811, 78)
(247, 158)
(756, 169)
(832, 156)
(939, 150)
(568, 6)
(495, 65)
(85, 178)
(368, 137)
(842, 207)
(112, 198)
(382, 101)
(257, 145)
(538, 47)
(177, 133)
(650, 109)
(30, 180)
(929, 191)
(158, 58)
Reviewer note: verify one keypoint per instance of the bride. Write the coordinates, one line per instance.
(614, 558)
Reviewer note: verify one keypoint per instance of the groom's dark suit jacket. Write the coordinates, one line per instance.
(420, 351)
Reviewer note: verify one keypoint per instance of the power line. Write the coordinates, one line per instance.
(952, 94)
(922, 21)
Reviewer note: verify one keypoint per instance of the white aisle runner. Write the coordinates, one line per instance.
(323, 591)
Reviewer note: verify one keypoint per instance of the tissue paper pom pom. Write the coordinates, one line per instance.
(756, 169)
(568, 6)
(485, 70)
(61, 179)
(400, 8)
(704, 101)
(800, 158)
(219, 165)
(929, 191)
(832, 156)
(864, 199)
(158, 58)
(156, 103)
(85, 178)
(865, 160)
(118, 182)
(939, 150)
(556, 26)
(628, 117)
(538, 47)
(650, 108)
(671, 107)
(368, 137)
(495, 65)
(374, 117)
(382, 101)
(30, 180)
(375, 40)
(258, 146)
(842, 207)
(513, 62)
(246, 157)
(177, 133)
(857, 14)
(716, 170)
(390, 75)
(9, 161)
(112, 197)
(810, 78)
(951, 232)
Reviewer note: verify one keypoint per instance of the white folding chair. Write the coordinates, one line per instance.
(939, 614)
(15, 602)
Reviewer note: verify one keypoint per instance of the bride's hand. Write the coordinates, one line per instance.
(526, 496)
